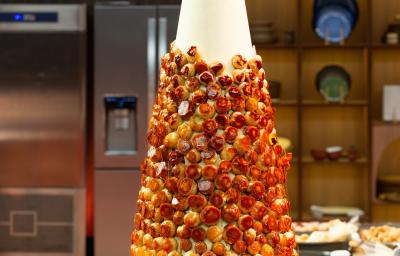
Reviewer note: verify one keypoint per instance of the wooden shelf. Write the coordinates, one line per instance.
(349, 103)
(385, 123)
(275, 46)
(386, 46)
(311, 160)
(334, 46)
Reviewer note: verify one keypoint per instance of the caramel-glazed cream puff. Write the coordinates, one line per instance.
(213, 181)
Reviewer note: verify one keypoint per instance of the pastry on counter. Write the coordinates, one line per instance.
(383, 234)
(324, 232)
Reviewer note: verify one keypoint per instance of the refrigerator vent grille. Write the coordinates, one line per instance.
(38, 221)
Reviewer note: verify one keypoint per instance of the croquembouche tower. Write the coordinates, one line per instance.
(213, 181)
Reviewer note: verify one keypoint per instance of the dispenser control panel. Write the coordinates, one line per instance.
(28, 17)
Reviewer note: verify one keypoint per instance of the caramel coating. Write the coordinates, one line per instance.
(225, 80)
(185, 245)
(214, 234)
(188, 70)
(210, 215)
(184, 131)
(197, 202)
(232, 234)
(191, 219)
(216, 68)
(238, 62)
(218, 248)
(200, 247)
(167, 229)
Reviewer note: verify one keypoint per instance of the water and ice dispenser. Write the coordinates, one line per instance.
(121, 125)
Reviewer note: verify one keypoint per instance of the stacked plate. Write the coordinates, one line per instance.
(333, 83)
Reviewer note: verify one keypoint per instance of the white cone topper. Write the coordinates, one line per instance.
(219, 28)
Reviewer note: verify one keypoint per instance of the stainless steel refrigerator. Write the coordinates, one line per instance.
(42, 129)
(129, 40)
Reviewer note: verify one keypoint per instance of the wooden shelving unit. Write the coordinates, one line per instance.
(310, 160)
(304, 117)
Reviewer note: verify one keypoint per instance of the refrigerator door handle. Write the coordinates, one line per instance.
(162, 38)
(151, 63)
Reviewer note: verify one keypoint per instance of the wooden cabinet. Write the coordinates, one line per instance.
(310, 123)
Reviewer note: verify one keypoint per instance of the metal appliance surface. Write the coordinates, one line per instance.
(42, 129)
(129, 40)
(42, 92)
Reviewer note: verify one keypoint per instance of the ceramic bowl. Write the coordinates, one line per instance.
(334, 153)
(319, 154)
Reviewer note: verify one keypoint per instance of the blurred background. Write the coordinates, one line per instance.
(77, 81)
